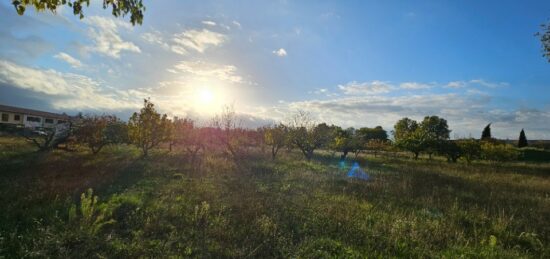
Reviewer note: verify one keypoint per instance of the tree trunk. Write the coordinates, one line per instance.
(274, 151)
(344, 155)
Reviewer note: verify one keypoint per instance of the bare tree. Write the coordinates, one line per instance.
(231, 135)
(48, 139)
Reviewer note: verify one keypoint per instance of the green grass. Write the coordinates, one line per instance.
(161, 207)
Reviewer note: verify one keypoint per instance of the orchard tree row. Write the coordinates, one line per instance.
(148, 129)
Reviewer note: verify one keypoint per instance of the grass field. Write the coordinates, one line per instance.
(257, 208)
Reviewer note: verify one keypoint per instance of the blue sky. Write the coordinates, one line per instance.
(352, 63)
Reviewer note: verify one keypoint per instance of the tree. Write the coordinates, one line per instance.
(486, 134)
(179, 130)
(307, 136)
(498, 152)
(193, 139)
(373, 133)
(377, 145)
(436, 131)
(471, 149)
(49, 139)
(118, 7)
(414, 142)
(450, 149)
(344, 141)
(409, 136)
(147, 129)
(230, 133)
(522, 142)
(275, 137)
(98, 131)
(403, 128)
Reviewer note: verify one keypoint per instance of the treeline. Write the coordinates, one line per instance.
(148, 129)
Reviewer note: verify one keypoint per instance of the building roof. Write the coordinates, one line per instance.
(5, 108)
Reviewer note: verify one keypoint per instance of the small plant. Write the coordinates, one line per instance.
(89, 216)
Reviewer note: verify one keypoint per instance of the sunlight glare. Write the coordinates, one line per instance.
(206, 96)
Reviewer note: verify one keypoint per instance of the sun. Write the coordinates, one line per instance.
(205, 96)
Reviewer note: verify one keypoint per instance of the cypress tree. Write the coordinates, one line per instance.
(522, 142)
(486, 134)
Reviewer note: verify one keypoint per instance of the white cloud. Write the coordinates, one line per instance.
(414, 86)
(75, 63)
(154, 37)
(366, 88)
(280, 52)
(66, 90)
(237, 24)
(456, 84)
(467, 115)
(105, 36)
(196, 40)
(225, 26)
(209, 70)
(488, 84)
(209, 23)
(366, 104)
(478, 82)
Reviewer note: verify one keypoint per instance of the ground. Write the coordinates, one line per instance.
(162, 206)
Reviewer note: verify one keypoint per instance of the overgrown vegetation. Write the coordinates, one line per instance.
(160, 187)
(161, 206)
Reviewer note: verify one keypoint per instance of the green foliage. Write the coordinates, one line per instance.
(307, 136)
(90, 216)
(287, 209)
(403, 128)
(450, 149)
(327, 248)
(377, 132)
(534, 154)
(415, 142)
(522, 141)
(99, 131)
(470, 149)
(428, 136)
(486, 133)
(147, 129)
(118, 7)
(435, 128)
(498, 152)
(276, 138)
(346, 141)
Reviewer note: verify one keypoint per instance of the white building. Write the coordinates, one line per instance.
(28, 118)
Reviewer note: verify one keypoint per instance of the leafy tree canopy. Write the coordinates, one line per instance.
(118, 7)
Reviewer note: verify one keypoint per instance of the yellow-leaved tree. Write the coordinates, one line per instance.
(148, 128)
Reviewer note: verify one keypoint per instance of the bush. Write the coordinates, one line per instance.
(470, 148)
(499, 152)
(534, 154)
(450, 149)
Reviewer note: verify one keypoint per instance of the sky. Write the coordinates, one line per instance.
(349, 63)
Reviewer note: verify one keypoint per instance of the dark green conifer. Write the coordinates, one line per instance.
(522, 142)
(486, 134)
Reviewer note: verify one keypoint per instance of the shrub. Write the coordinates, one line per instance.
(498, 152)
(534, 154)
(471, 149)
(450, 149)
